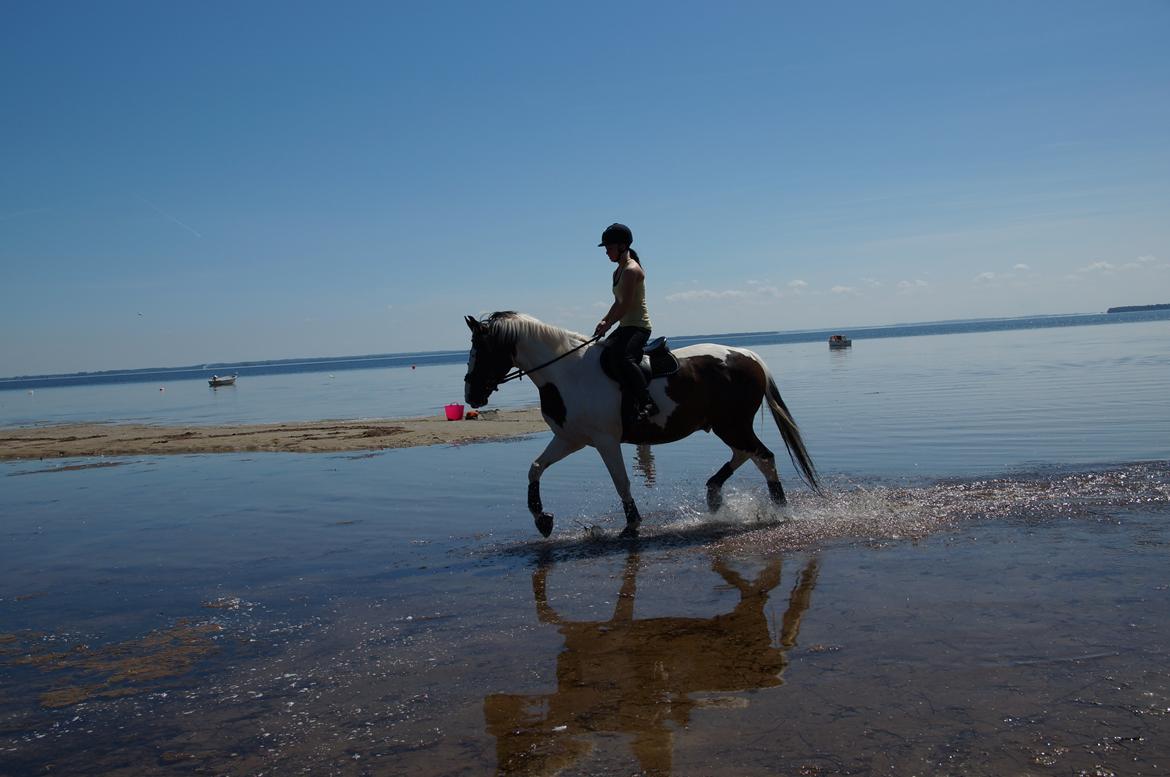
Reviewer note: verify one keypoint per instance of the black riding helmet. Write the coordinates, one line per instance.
(616, 233)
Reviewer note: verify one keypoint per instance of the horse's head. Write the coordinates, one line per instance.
(488, 362)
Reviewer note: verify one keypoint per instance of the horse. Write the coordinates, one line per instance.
(717, 388)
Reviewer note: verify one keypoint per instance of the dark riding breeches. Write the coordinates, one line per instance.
(623, 349)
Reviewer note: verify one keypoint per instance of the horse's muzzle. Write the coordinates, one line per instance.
(475, 398)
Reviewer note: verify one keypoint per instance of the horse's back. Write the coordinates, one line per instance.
(715, 364)
(715, 386)
(713, 350)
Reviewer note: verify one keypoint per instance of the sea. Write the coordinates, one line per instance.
(981, 588)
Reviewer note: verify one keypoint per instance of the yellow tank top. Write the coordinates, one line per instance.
(637, 315)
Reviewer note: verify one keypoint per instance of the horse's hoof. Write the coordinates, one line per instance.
(544, 524)
(630, 532)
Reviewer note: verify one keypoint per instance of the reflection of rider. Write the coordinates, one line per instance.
(624, 347)
(644, 463)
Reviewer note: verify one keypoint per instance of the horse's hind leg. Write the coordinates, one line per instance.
(766, 463)
(611, 454)
(557, 449)
(744, 441)
(716, 481)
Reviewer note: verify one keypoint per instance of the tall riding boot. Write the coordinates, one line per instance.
(634, 387)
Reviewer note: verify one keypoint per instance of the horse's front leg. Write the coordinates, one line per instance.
(611, 454)
(557, 449)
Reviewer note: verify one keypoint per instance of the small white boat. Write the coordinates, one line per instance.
(221, 380)
(839, 341)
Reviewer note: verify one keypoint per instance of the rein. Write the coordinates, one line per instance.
(519, 373)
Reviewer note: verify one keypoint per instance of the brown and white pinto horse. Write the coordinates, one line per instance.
(716, 388)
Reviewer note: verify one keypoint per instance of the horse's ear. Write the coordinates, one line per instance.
(472, 323)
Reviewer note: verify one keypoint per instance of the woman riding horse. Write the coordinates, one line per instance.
(716, 389)
(623, 348)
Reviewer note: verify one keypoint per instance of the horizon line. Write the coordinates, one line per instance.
(292, 361)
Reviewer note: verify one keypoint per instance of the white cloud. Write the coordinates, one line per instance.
(1143, 262)
(1140, 264)
(910, 287)
(872, 283)
(697, 294)
(756, 290)
(1017, 276)
(843, 290)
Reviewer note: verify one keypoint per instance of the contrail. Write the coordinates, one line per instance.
(166, 215)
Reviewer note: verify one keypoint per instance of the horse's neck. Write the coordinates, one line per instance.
(543, 345)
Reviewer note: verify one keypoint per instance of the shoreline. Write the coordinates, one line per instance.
(113, 439)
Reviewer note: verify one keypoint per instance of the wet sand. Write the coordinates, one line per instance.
(98, 439)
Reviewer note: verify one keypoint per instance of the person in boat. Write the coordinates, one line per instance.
(623, 348)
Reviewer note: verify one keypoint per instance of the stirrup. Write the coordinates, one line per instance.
(646, 411)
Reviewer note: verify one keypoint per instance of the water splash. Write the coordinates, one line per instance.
(882, 513)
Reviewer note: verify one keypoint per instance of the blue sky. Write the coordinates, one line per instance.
(230, 181)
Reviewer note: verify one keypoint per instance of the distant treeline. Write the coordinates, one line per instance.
(1138, 308)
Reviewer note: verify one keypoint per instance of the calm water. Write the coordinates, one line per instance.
(932, 404)
(983, 592)
(400, 384)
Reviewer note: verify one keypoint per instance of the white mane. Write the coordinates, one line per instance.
(511, 327)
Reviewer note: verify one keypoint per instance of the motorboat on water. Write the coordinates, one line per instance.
(839, 341)
(221, 380)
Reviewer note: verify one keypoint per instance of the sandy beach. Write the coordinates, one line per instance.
(98, 439)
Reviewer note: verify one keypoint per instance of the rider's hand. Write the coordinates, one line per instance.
(601, 327)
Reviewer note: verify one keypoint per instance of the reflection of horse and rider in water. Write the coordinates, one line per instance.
(638, 677)
(602, 395)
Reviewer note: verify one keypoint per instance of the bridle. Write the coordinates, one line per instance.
(519, 373)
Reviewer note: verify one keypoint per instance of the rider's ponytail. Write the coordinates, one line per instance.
(634, 256)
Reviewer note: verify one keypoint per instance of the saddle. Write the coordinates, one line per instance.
(657, 361)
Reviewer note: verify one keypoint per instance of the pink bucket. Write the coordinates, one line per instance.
(454, 412)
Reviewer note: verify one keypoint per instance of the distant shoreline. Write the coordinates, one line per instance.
(110, 439)
(1138, 308)
(247, 370)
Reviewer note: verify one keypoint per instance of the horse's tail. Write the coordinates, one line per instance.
(791, 434)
